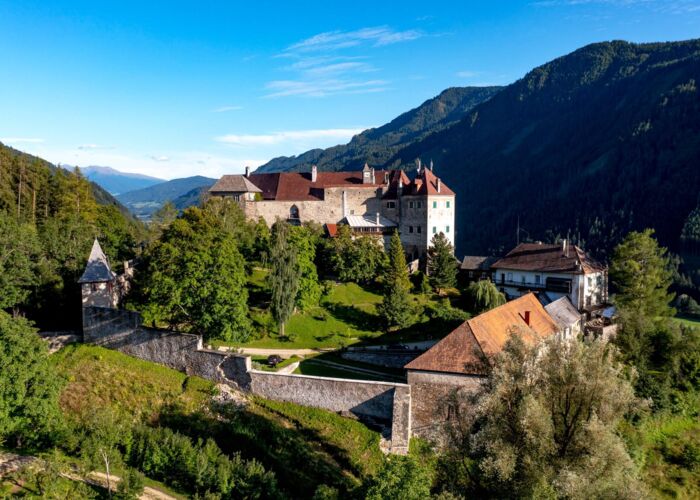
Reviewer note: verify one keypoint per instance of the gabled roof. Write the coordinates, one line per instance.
(234, 184)
(563, 312)
(548, 258)
(97, 269)
(426, 183)
(477, 263)
(463, 350)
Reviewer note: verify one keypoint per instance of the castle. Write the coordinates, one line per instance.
(374, 202)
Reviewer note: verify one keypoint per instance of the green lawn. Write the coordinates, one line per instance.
(695, 323)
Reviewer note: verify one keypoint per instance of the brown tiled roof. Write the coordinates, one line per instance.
(548, 258)
(462, 350)
(427, 184)
(477, 263)
(234, 184)
(297, 186)
(331, 229)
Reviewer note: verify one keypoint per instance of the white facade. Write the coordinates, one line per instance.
(583, 290)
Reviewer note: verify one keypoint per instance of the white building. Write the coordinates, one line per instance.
(552, 272)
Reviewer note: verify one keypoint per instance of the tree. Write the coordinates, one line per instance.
(194, 278)
(29, 387)
(396, 307)
(304, 240)
(442, 267)
(544, 424)
(105, 433)
(485, 296)
(359, 260)
(640, 272)
(284, 275)
(19, 255)
(402, 478)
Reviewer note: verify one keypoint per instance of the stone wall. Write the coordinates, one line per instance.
(390, 359)
(383, 403)
(431, 394)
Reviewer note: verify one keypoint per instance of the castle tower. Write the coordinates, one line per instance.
(98, 282)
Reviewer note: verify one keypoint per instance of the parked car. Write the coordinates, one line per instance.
(273, 360)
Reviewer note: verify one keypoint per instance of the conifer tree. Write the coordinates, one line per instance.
(396, 307)
(284, 275)
(442, 267)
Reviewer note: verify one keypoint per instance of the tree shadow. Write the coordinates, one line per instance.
(279, 448)
(356, 318)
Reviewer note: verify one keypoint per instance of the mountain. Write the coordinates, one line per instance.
(593, 144)
(38, 183)
(378, 145)
(116, 182)
(143, 202)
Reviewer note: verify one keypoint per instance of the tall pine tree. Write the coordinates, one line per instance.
(442, 267)
(284, 275)
(396, 307)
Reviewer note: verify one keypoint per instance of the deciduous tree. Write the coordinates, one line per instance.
(484, 296)
(284, 275)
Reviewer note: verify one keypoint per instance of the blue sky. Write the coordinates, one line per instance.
(182, 88)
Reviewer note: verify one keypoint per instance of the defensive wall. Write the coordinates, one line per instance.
(384, 403)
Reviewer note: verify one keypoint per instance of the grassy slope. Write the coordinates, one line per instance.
(333, 449)
(346, 316)
(662, 444)
(695, 323)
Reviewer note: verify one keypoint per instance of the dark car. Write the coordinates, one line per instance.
(273, 360)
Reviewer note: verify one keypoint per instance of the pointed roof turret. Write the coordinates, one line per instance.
(97, 268)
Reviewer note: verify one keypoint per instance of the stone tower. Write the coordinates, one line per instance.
(98, 282)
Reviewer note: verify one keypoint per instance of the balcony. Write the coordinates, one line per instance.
(550, 285)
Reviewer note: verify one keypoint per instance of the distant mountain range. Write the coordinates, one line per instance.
(183, 193)
(378, 145)
(116, 182)
(592, 145)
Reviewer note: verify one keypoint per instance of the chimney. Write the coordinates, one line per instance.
(373, 179)
(314, 173)
(400, 188)
(439, 184)
(526, 317)
(386, 177)
(376, 218)
(247, 171)
(565, 247)
(418, 165)
(431, 165)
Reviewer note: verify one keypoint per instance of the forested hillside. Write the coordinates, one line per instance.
(593, 144)
(48, 219)
(378, 145)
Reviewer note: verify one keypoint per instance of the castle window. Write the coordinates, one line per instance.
(410, 204)
(419, 204)
(447, 229)
(390, 204)
(294, 212)
(434, 229)
(410, 229)
(435, 204)
(418, 229)
(447, 204)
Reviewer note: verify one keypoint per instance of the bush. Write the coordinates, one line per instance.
(131, 485)
(443, 311)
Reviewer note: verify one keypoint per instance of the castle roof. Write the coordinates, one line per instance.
(548, 258)
(465, 349)
(97, 268)
(234, 184)
(298, 186)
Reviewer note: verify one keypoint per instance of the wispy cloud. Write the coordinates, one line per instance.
(160, 158)
(324, 87)
(224, 109)
(288, 136)
(667, 6)
(21, 140)
(335, 62)
(468, 74)
(335, 40)
(86, 147)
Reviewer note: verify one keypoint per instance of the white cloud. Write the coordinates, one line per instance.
(335, 40)
(468, 74)
(160, 158)
(324, 87)
(224, 109)
(21, 140)
(290, 136)
(94, 146)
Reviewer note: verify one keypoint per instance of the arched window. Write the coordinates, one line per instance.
(294, 212)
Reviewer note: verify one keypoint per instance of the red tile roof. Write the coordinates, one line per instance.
(464, 349)
(548, 258)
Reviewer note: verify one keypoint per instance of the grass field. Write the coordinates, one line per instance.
(334, 450)
(693, 322)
